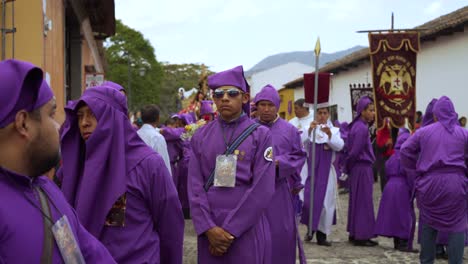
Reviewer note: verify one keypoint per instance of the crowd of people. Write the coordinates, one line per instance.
(104, 187)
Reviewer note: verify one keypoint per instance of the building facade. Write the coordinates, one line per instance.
(63, 37)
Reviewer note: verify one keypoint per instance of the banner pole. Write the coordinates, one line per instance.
(312, 167)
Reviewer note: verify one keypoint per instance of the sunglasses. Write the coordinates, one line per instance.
(219, 93)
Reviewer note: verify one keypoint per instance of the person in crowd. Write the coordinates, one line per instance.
(120, 188)
(232, 179)
(327, 142)
(359, 160)
(36, 218)
(441, 183)
(289, 158)
(149, 133)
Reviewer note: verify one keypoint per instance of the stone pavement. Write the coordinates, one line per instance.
(341, 251)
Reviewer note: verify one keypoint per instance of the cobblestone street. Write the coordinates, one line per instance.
(341, 251)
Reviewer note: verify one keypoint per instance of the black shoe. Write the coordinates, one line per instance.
(407, 250)
(324, 243)
(308, 238)
(344, 191)
(440, 252)
(443, 255)
(365, 243)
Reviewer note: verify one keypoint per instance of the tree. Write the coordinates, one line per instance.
(187, 76)
(132, 63)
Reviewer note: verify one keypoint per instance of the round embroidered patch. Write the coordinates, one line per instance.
(268, 154)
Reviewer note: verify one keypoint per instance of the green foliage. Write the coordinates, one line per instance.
(132, 63)
(176, 76)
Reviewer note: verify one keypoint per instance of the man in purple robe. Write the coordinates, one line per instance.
(32, 206)
(228, 209)
(120, 188)
(206, 110)
(343, 179)
(438, 154)
(179, 150)
(359, 160)
(328, 142)
(289, 159)
(395, 215)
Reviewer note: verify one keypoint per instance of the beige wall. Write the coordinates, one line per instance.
(55, 53)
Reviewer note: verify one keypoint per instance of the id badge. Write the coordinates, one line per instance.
(225, 171)
(66, 242)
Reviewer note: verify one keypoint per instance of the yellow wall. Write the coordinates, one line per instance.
(29, 41)
(286, 95)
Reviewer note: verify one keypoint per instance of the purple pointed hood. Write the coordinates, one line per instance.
(361, 106)
(95, 172)
(268, 93)
(187, 118)
(206, 107)
(232, 77)
(45, 95)
(445, 113)
(113, 85)
(402, 137)
(428, 117)
(20, 85)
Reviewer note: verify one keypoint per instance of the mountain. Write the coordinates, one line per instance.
(305, 57)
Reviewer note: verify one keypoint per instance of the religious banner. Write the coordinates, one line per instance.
(393, 60)
(323, 88)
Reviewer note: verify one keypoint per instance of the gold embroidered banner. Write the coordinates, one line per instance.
(393, 62)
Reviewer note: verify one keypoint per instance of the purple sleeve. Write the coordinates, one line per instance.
(409, 152)
(257, 198)
(167, 215)
(466, 152)
(290, 162)
(171, 134)
(359, 143)
(93, 251)
(199, 207)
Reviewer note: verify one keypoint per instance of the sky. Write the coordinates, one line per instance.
(225, 33)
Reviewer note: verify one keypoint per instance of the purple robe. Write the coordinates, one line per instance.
(359, 160)
(395, 216)
(22, 222)
(115, 170)
(239, 210)
(288, 153)
(324, 157)
(24, 229)
(438, 153)
(20, 84)
(179, 155)
(174, 148)
(341, 156)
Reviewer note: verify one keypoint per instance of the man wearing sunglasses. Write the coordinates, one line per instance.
(289, 159)
(231, 180)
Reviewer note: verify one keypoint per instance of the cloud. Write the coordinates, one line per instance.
(433, 8)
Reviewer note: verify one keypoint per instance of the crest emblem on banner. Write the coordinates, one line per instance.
(393, 58)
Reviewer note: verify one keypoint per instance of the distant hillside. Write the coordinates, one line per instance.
(305, 57)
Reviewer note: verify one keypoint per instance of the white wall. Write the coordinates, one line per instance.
(277, 76)
(340, 92)
(442, 69)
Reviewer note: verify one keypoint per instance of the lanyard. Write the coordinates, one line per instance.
(227, 143)
(36, 190)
